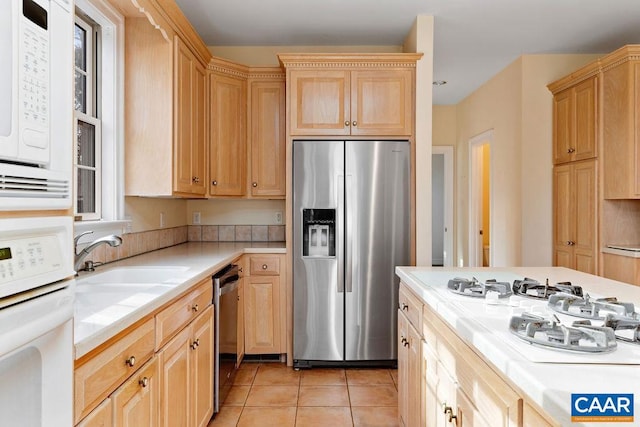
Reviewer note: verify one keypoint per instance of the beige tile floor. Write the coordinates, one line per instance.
(272, 394)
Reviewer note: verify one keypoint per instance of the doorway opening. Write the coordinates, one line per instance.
(442, 206)
(480, 200)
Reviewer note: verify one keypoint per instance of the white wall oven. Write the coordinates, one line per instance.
(36, 104)
(36, 329)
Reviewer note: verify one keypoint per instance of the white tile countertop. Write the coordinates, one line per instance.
(119, 294)
(547, 377)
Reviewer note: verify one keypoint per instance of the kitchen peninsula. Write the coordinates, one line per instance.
(472, 369)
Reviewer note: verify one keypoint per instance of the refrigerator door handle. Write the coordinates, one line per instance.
(340, 232)
(350, 234)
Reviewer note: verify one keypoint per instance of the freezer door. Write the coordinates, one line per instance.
(318, 254)
(377, 239)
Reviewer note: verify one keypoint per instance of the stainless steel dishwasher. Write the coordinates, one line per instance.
(225, 300)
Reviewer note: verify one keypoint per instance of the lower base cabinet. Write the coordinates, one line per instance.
(187, 375)
(410, 377)
(135, 403)
(102, 416)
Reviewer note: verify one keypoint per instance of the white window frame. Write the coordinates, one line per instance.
(111, 109)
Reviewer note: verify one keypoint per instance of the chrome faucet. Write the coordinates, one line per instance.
(111, 240)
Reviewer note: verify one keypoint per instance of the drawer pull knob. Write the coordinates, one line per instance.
(449, 412)
(144, 382)
(354, 123)
(571, 150)
(404, 307)
(264, 266)
(130, 361)
(194, 308)
(240, 270)
(254, 184)
(214, 182)
(195, 344)
(405, 342)
(346, 122)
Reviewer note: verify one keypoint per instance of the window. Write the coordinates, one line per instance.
(98, 103)
(88, 147)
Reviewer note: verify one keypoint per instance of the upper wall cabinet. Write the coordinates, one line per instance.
(165, 87)
(361, 95)
(267, 133)
(621, 123)
(228, 142)
(575, 122)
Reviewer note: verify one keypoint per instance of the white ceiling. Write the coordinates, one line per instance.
(474, 39)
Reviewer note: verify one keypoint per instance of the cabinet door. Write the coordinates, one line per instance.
(198, 126)
(268, 137)
(562, 126)
(403, 369)
(135, 403)
(202, 368)
(319, 102)
(584, 198)
(564, 216)
(585, 120)
(102, 416)
(240, 326)
(382, 102)
(175, 368)
(262, 315)
(227, 149)
(415, 396)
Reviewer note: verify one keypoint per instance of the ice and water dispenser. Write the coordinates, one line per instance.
(319, 232)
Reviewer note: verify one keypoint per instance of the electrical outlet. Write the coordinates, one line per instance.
(161, 219)
(196, 217)
(278, 217)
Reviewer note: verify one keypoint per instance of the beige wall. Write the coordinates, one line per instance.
(517, 105)
(486, 193)
(266, 56)
(144, 213)
(235, 212)
(444, 125)
(420, 39)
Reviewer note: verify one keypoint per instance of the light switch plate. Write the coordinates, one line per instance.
(278, 217)
(196, 217)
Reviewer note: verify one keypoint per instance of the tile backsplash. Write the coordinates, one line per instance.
(236, 233)
(147, 241)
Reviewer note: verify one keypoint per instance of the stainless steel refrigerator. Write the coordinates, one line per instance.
(350, 229)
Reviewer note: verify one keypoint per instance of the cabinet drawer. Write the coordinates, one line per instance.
(175, 317)
(411, 306)
(264, 266)
(104, 372)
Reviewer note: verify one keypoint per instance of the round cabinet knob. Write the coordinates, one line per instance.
(404, 307)
(194, 308)
(354, 123)
(195, 179)
(571, 150)
(570, 243)
(130, 361)
(144, 382)
(405, 342)
(214, 182)
(240, 270)
(254, 184)
(195, 344)
(346, 122)
(264, 266)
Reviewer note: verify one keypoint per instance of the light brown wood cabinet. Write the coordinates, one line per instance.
(264, 305)
(165, 111)
(467, 391)
(102, 416)
(411, 393)
(621, 127)
(228, 143)
(186, 376)
(575, 122)
(575, 216)
(98, 375)
(359, 95)
(267, 137)
(135, 403)
(330, 102)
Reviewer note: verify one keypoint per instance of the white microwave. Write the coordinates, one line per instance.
(36, 104)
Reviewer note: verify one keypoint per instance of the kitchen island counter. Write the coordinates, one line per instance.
(119, 294)
(544, 377)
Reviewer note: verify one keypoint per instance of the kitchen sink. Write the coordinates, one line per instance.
(136, 275)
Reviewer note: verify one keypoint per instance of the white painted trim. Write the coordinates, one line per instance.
(447, 151)
(475, 197)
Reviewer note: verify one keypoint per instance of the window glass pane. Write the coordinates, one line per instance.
(86, 141)
(86, 199)
(80, 47)
(81, 92)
